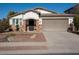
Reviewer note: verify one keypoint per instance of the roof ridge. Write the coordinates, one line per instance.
(34, 11)
(42, 8)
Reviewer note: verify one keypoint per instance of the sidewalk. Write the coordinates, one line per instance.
(23, 47)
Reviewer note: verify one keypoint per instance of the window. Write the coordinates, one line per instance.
(20, 21)
(17, 21)
(17, 24)
(13, 22)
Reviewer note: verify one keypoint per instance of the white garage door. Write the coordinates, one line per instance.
(55, 25)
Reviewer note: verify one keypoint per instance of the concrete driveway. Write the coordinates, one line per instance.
(62, 42)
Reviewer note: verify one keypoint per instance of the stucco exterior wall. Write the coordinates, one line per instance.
(30, 15)
(16, 17)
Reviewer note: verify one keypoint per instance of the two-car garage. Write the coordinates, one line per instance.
(55, 23)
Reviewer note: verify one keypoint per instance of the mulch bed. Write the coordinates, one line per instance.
(34, 37)
(23, 48)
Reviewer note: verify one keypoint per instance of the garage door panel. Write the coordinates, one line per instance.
(55, 25)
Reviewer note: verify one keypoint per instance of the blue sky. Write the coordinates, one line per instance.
(18, 7)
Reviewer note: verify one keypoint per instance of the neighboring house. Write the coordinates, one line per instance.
(72, 10)
(40, 19)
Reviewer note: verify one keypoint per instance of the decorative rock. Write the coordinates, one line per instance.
(33, 36)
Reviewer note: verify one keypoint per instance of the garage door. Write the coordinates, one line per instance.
(55, 25)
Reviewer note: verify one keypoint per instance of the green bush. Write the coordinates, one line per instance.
(76, 22)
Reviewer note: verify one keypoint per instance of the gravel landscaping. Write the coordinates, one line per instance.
(30, 37)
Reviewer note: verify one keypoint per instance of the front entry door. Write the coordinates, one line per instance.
(31, 24)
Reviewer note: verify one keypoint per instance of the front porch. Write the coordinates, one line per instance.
(28, 25)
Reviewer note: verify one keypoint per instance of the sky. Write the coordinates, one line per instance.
(19, 7)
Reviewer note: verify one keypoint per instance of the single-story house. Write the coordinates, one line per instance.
(40, 19)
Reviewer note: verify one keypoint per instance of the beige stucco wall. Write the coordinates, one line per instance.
(20, 16)
(30, 15)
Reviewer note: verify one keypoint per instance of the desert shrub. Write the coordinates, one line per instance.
(11, 34)
(4, 25)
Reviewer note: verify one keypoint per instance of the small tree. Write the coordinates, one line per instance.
(10, 13)
(4, 23)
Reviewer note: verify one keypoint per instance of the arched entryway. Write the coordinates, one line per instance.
(31, 24)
